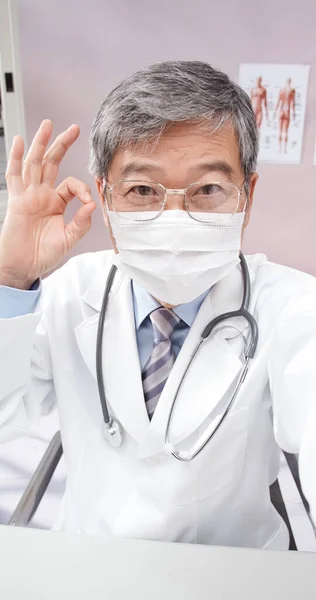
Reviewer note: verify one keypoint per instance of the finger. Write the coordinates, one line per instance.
(74, 188)
(80, 224)
(32, 170)
(56, 153)
(14, 167)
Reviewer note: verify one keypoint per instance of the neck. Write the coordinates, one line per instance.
(164, 304)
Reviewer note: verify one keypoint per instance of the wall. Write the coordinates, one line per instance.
(74, 52)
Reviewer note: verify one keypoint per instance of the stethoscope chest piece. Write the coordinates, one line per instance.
(113, 433)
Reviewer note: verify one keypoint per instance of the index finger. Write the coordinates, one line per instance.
(56, 153)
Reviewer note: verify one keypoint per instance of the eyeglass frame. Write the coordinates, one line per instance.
(172, 192)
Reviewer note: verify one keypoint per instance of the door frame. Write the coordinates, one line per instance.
(12, 101)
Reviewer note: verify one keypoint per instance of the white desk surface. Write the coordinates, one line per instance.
(43, 565)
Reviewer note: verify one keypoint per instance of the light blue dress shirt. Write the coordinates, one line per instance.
(17, 303)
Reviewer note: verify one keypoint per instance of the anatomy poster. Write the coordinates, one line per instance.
(278, 95)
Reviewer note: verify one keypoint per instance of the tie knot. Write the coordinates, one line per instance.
(164, 321)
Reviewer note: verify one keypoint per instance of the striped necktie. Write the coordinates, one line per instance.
(157, 369)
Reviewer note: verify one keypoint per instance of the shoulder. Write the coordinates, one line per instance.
(277, 286)
(77, 274)
(85, 267)
(291, 278)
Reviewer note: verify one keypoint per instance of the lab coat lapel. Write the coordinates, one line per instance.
(121, 368)
(211, 375)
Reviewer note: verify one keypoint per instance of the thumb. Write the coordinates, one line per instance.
(80, 224)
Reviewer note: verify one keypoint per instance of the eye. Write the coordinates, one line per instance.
(143, 190)
(209, 189)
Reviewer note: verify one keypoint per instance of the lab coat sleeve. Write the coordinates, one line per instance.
(26, 382)
(292, 374)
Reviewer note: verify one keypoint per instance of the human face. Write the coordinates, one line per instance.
(183, 155)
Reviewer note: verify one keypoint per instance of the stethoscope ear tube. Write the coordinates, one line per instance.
(251, 350)
(242, 312)
(99, 362)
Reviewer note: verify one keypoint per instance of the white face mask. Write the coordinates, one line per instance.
(174, 257)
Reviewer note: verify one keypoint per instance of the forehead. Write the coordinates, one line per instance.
(182, 146)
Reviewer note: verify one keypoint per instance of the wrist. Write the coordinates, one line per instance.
(16, 280)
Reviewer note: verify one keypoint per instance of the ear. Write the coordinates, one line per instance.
(100, 188)
(252, 185)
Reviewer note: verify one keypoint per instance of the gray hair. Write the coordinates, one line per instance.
(142, 106)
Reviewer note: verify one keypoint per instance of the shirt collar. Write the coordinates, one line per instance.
(144, 304)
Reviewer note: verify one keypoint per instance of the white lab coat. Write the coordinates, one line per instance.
(137, 490)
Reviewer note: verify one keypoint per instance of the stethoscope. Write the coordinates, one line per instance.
(113, 431)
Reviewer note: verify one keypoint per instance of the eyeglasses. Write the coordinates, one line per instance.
(147, 199)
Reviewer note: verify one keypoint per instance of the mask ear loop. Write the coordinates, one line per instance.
(105, 206)
(241, 190)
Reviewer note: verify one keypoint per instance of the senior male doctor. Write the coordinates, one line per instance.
(173, 151)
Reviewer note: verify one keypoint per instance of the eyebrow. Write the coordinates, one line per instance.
(139, 167)
(219, 166)
(205, 167)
